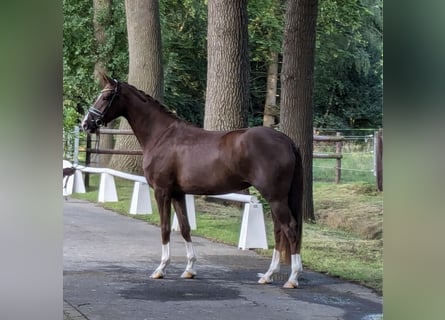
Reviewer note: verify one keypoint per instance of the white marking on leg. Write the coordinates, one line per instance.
(296, 269)
(165, 261)
(191, 259)
(273, 268)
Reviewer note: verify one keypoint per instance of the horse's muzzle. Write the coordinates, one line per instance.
(88, 128)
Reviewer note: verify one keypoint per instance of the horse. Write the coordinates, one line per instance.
(180, 158)
(67, 172)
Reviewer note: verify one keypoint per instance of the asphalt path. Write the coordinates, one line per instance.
(108, 258)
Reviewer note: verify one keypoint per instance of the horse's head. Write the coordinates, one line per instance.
(100, 113)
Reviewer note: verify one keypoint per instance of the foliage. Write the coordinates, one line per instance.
(78, 60)
(184, 27)
(266, 22)
(348, 65)
(265, 28)
(80, 53)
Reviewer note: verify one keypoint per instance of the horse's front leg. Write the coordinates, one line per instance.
(163, 200)
(181, 214)
(274, 267)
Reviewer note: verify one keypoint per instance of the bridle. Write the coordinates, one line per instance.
(99, 115)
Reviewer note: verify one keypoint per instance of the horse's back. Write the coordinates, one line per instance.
(268, 140)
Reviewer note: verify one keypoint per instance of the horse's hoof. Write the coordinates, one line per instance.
(290, 284)
(264, 280)
(157, 275)
(187, 275)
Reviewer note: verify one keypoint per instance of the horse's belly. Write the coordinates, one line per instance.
(215, 180)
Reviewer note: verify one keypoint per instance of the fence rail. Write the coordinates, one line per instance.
(338, 139)
(335, 142)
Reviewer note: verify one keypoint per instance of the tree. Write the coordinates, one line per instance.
(101, 20)
(145, 70)
(265, 36)
(78, 60)
(348, 73)
(184, 27)
(297, 86)
(227, 96)
(81, 52)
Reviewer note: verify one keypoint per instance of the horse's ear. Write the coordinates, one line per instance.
(104, 80)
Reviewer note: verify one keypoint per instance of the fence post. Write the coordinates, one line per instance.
(338, 149)
(88, 161)
(378, 156)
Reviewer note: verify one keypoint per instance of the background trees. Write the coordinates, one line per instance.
(348, 66)
(214, 76)
(184, 32)
(348, 60)
(265, 37)
(80, 54)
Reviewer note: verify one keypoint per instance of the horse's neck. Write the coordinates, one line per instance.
(148, 122)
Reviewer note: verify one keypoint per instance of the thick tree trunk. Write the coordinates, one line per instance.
(145, 70)
(102, 15)
(227, 96)
(270, 106)
(296, 115)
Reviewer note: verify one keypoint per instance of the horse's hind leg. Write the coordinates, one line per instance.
(290, 229)
(286, 237)
(181, 213)
(296, 269)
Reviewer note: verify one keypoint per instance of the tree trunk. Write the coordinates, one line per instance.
(227, 96)
(102, 15)
(270, 106)
(101, 19)
(145, 70)
(296, 115)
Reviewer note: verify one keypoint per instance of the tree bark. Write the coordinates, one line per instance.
(102, 15)
(227, 96)
(297, 77)
(145, 70)
(101, 18)
(270, 106)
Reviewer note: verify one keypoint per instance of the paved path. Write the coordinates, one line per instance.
(108, 258)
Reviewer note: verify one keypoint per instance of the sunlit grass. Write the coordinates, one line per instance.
(355, 167)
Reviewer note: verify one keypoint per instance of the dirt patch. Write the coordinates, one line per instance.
(364, 220)
(354, 208)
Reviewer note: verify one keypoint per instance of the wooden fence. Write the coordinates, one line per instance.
(337, 139)
(378, 152)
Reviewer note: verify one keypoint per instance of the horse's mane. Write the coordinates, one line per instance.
(146, 97)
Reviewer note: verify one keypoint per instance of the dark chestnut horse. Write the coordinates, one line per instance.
(180, 159)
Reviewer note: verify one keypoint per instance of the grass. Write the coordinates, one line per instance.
(354, 167)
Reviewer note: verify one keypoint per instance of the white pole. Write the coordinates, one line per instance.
(76, 146)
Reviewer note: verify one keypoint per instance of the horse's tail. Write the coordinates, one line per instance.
(295, 199)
